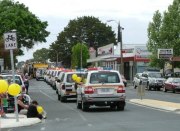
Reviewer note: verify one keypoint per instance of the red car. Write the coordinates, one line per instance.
(172, 84)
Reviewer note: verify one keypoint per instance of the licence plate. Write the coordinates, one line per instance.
(105, 91)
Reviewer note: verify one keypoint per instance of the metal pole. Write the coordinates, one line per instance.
(81, 55)
(57, 57)
(120, 40)
(15, 98)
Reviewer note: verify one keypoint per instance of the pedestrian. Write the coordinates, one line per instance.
(32, 111)
(3, 104)
(26, 82)
(22, 104)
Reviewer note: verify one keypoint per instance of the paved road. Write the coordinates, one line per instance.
(65, 116)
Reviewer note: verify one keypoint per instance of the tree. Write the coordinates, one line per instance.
(41, 55)
(89, 30)
(76, 55)
(30, 29)
(163, 32)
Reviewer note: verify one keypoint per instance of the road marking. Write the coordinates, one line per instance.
(47, 95)
(67, 106)
(43, 128)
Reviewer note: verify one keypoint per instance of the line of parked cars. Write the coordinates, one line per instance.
(155, 80)
(97, 87)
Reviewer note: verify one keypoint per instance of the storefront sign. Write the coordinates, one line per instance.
(141, 53)
(165, 53)
(106, 50)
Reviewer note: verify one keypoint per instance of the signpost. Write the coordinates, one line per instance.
(10, 43)
(165, 53)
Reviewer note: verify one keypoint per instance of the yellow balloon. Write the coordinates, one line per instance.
(78, 79)
(3, 86)
(74, 76)
(14, 89)
(40, 109)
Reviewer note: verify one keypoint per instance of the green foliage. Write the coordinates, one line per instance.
(30, 29)
(164, 32)
(76, 55)
(89, 30)
(41, 55)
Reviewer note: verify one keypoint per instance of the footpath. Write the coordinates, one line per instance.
(10, 121)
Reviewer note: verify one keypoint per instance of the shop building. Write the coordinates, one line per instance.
(135, 58)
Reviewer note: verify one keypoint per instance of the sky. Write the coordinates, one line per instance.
(134, 17)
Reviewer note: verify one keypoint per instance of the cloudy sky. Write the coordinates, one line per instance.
(134, 16)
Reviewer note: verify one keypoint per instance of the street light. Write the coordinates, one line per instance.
(119, 37)
(81, 50)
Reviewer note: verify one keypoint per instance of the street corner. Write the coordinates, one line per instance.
(11, 122)
(164, 105)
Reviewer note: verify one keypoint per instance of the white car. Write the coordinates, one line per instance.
(101, 88)
(66, 88)
(40, 74)
(54, 78)
(136, 80)
(18, 80)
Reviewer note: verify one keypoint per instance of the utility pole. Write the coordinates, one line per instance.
(121, 46)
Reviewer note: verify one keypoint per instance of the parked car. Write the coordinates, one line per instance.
(136, 80)
(40, 74)
(101, 88)
(66, 87)
(18, 80)
(172, 84)
(153, 80)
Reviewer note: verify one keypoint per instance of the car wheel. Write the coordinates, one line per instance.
(112, 107)
(120, 107)
(63, 99)
(59, 97)
(84, 106)
(148, 87)
(174, 91)
(79, 105)
(164, 89)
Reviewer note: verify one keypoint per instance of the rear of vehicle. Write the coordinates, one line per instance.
(67, 87)
(40, 74)
(102, 88)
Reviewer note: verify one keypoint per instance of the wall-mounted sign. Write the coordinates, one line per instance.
(141, 53)
(106, 50)
(165, 53)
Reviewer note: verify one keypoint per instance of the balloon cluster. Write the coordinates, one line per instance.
(13, 89)
(76, 78)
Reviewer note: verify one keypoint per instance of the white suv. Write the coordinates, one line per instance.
(66, 88)
(101, 88)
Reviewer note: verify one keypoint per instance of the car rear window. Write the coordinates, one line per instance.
(104, 77)
(10, 79)
(69, 77)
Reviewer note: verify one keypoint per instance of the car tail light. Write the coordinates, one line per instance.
(63, 87)
(121, 89)
(88, 90)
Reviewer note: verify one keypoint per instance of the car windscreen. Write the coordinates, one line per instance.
(155, 75)
(176, 80)
(104, 77)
